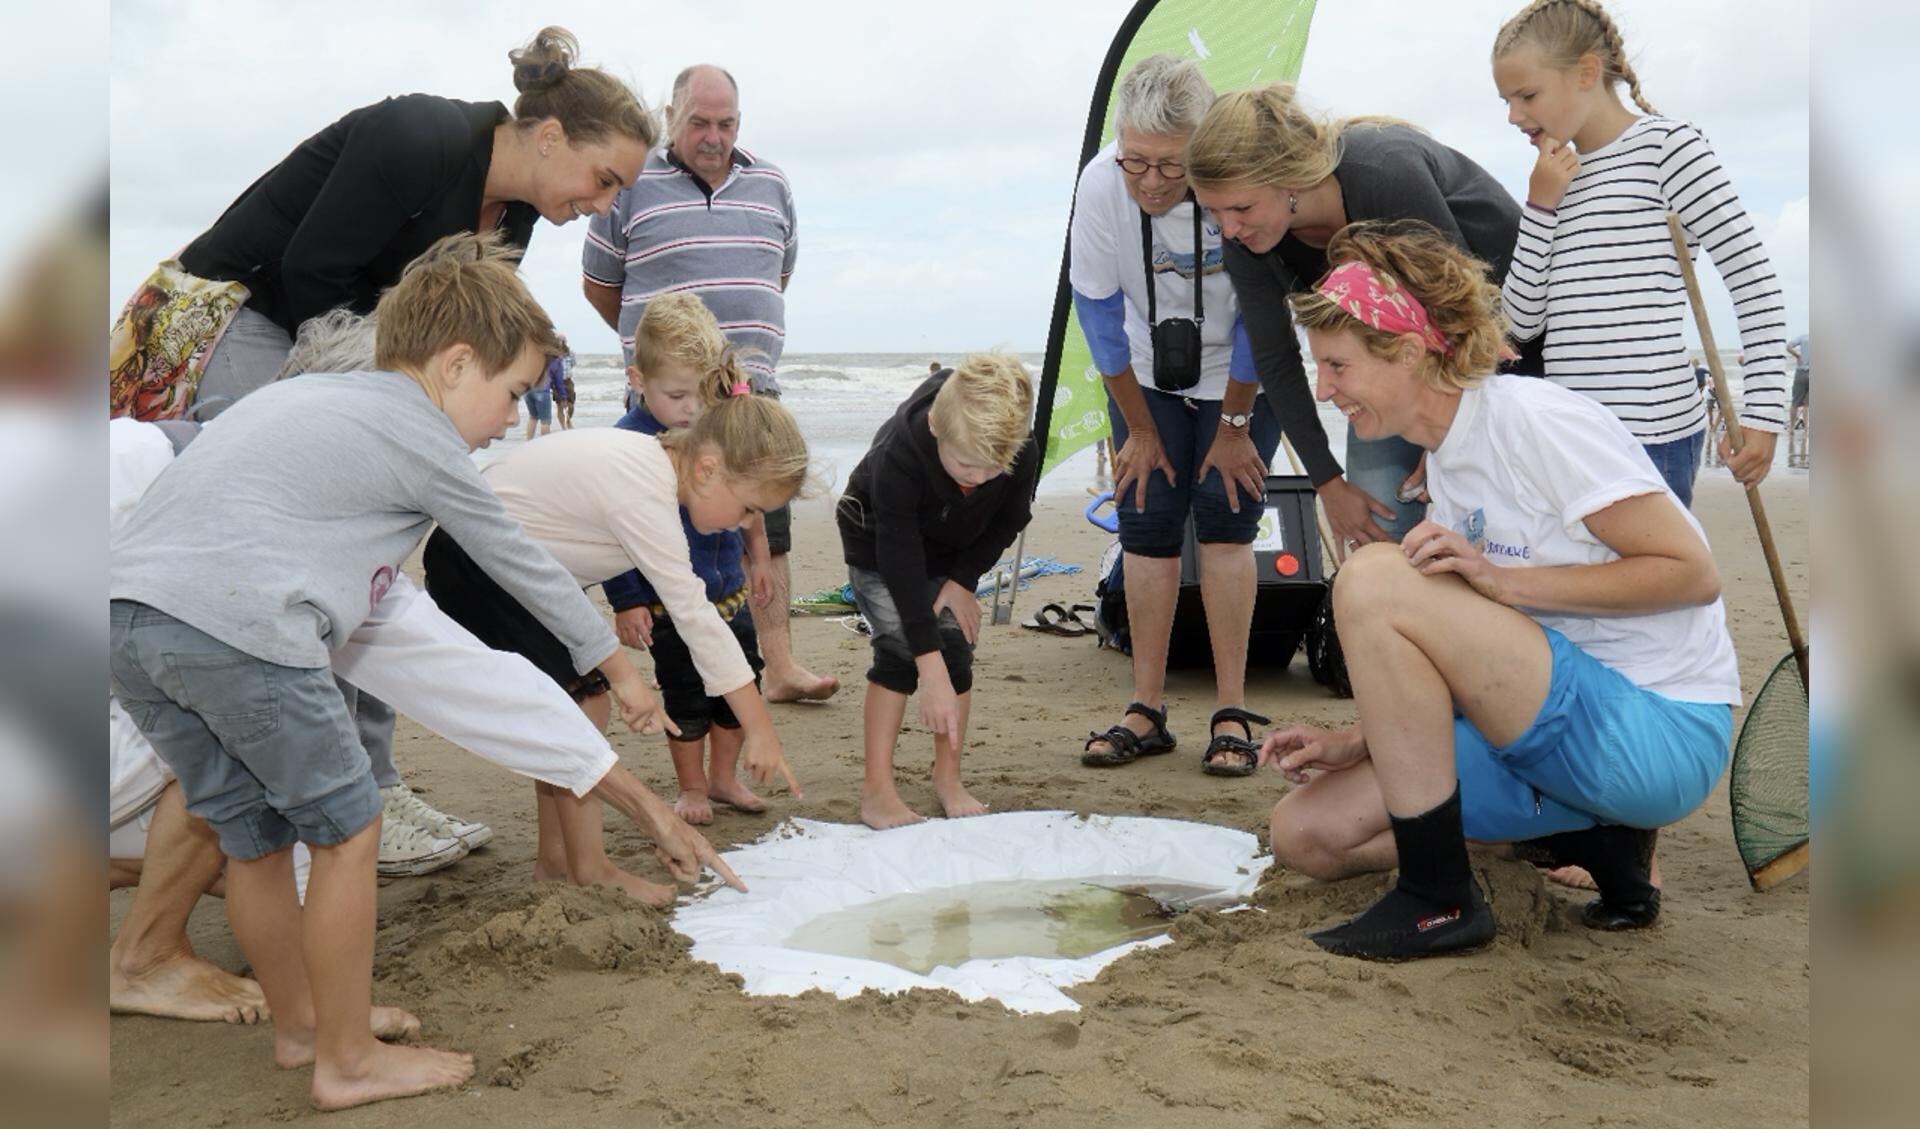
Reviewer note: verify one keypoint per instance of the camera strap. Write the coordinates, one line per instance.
(1146, 261)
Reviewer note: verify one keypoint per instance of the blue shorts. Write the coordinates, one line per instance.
(1602, 750)
(1186, 429)
(266, 754)
(540, 404)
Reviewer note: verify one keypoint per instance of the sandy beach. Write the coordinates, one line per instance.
(582, 1008)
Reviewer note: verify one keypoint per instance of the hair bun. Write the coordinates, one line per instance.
(545, 60)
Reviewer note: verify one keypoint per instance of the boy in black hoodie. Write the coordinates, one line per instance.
(946, 487)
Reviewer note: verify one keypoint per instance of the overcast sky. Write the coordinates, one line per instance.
(932, 148)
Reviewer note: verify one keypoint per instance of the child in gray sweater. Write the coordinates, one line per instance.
(260, 550)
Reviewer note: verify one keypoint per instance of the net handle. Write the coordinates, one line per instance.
(1738, 440)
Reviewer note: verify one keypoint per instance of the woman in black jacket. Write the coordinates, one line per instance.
(1281, 183)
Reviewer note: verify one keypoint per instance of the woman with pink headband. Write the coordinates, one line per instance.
(1544, 658)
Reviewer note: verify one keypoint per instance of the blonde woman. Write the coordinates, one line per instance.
(1282, 181)
(1593, 702)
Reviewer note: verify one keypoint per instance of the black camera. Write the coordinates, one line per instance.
(1176, 354)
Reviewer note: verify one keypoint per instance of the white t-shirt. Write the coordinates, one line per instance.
(1105, 242)
(1523, 466)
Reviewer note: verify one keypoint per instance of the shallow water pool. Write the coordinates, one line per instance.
(1060, 918)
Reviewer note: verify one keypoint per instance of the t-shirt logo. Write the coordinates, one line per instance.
(382, 580)
(1474, 528)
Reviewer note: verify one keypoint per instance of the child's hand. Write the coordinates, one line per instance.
(940, 709)
(964, 605)
(639, 709)
(683, 851)
(763, 755)
(1552, 172)
(634, 627)
(760, 581)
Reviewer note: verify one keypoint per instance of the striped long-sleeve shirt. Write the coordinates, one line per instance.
(1600, 273)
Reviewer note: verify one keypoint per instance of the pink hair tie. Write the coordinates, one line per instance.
(1379, 301)
(741, 389)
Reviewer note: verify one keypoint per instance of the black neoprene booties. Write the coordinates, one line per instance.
(1435, 907)
(1619, 859)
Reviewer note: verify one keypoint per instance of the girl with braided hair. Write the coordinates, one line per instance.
(1594, 266)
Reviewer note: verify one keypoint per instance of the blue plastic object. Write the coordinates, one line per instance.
(1110, 523)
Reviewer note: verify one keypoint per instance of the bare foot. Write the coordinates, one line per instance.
(185, 987)
(295, 1048)
(887, 810)
(737, 796)
(389, 1072)
(955, 800)
(800, 685)
(694, 807)
(1577, 877)
(544, 873)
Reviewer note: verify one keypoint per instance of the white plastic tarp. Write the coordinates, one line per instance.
(804, 869)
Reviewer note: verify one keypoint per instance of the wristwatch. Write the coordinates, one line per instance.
(1236, 419)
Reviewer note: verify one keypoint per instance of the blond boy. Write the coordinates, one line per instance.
(946, 487)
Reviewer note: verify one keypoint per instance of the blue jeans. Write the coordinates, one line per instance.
(1679, 463)
(1378, 467)
(1186, 429)
(249, 357)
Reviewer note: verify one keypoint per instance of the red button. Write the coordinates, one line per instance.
(1286, 564)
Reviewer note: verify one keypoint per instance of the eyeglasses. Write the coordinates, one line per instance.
(1171, 170)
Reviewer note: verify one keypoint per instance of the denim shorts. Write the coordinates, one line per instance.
(268, 755)
(1379, 467)
(1679, 463)
(893, 667)
(1602, 750)
(682, 689)
(1186, 428)
(539, 403)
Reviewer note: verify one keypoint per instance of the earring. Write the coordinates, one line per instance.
(1293, 204)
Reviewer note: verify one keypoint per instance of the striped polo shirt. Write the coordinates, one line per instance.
(672, 232)
(1600, 274)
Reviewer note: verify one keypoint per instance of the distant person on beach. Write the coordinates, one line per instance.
(934, 367)
(1594, 701)
(539, 400)
(710, 219)
(1193, 442)
(1594, 265)
(562, 386)
(684, 366)
(327, 484)
(514, 716)
(944, 490)
(607, 501)
(1281, 182)
(1800, 423)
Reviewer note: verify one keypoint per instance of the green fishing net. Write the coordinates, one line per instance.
(1768, 785)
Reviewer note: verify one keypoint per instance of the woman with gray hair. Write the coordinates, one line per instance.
(1162, 323)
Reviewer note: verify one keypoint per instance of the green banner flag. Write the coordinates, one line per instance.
(1238, 44)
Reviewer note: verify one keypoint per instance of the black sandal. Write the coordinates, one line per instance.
(1214, 761)
(1124, 746)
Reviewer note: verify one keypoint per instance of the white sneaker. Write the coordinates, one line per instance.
(403, 804)
(407, 851)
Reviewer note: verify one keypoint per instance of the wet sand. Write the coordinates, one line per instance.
(582, 1008)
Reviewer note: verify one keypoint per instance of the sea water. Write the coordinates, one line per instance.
(1053, 919)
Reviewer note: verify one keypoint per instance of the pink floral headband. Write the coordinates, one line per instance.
(1377, 300)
